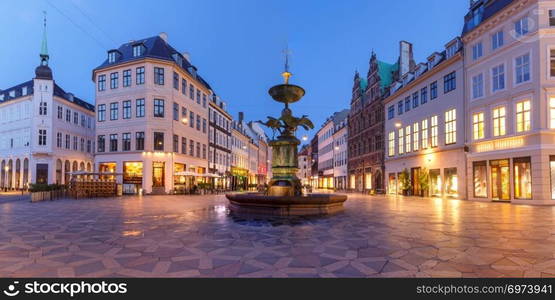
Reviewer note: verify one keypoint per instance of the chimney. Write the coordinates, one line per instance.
(241, 116)
(187, 56)
(406, 59)
(163, 36)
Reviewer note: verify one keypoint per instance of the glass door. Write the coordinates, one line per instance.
(500, 183)
(415, 181)
(158, 174)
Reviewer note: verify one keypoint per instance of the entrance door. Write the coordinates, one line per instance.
(500, 184)
(415, 181)
(158, 174)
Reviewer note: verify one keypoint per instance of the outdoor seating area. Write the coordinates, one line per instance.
(93, 184)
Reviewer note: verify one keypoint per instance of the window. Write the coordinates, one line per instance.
(175, 143)
(198, 122)
(435, 183)
(191, 92)
(449, 82)
(159, 108)
(158, 141)
(101, 143)
(400, 107)
(522, 68)
(423, 95)
(60, 112)
(126, 109)
(75, 143)
(407, 139)
(433, 90)
(425, 134)
(126, 141)
(552, 113)
(184, 114)
(477, 86)
(204, 100)
(552, 63)
(191, 148)
(401, 142)
(204, 151)
(82, 121)
(183, 86)
(113, 111)
(175, 111)
(42, 137)
(75, 118)
(82, 145)
(415, 101)
(89, 146)
(198, 150)
(67, 141)
(176, 81)
(126, 78)
(521, 27)
(183, 145)
(497, 40)
(140, 75)
(111, 56)
(138, 50)
(198, 96)
(42, 109)
(523, 178)
(499, 121)
(498, 78)
(139, 141)
(391, 144)
(523, 116)
(434, 128)
(407, 103)
(59, 140)
(101, 82)
(390, 112)
(139, 108)
(552, 17)
(159, 76)
(113, 142)
(477, 51)
(191, 119)
(114, 80)
(450, 127)
(68, 115)
(451, 182)
(478, 125)
(415, 137)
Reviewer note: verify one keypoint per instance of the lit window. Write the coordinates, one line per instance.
(415, 137)
(523, 116)
(450, 127)
(478, 125)
(499, 121)
(425, 134)
(552, 112)
(391, 144)
(434, 128)
(407, 139)
(401, 142)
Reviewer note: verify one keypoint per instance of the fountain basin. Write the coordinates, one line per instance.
(312, 204)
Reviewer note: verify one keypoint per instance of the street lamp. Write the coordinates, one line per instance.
(305, 138)
(398, 124)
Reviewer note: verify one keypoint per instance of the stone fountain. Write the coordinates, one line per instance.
(284, 196)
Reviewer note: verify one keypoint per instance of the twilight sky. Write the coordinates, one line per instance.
(236, 44)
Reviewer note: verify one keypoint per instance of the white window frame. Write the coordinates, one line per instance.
(495, 37)
(472, 86)
(475, 48)
(504, 78)
(516, 112)
(529, 68)
(483, 122)
(504, 105)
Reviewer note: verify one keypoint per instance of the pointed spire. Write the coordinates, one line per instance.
(286, 74)
(44, 46)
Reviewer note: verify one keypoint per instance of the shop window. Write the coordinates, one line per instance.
(522, 178)
(435, 183)
(392, 184)
(499, 173)
(480, 179)
(451, 182)
(368, 181)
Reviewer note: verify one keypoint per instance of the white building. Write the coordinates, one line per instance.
(424, 127)
(152, 117)
(219, 142)
(45, 132)
(340, 156)
(326, 147)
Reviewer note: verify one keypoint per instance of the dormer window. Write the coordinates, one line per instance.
(138, 50)
(12, 94)
(112, 56)
(24, 91)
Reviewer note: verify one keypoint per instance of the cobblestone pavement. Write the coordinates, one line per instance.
(196, 236)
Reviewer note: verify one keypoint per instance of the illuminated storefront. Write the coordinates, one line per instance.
(107, 167)
(451, 182)
(132, 177)
(392, 184)
(435, 183)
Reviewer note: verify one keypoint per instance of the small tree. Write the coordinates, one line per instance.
(424, 182)
(404, 181)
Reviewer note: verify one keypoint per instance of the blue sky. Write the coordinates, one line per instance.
(236, 44)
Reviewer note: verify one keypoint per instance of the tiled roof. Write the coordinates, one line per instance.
(155, 47)
(58, 92)
(491, 7)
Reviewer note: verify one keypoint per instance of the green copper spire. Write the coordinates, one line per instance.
(44, 46)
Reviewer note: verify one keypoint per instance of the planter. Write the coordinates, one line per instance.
(40, 196)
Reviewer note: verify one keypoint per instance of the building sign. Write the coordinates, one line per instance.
(509, 143)
(239, 171)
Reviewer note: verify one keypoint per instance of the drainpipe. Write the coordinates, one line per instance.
(466, 116)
